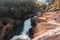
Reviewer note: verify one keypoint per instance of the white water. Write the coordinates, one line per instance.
(27, 26)
(24, 35)
(45, 2)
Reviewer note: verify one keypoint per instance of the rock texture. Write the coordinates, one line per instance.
(9, 27)
(12, 17)
(48, 21)
(12, 20)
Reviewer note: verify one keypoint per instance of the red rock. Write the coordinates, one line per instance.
(48, 21)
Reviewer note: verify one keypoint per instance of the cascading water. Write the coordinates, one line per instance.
(27, 26)
(46, 2)
(25, 33)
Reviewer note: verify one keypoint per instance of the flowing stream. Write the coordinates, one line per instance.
(25, 33)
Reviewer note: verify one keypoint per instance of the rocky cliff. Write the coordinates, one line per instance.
(12, 18)
(46, 25)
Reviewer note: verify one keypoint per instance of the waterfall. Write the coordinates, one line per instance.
(27, 26)
(24, 35)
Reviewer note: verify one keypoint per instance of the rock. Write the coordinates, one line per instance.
(55, 37)
(12, 17)
(51, 33)
(12, 20)
(48, 21)
(9, 27)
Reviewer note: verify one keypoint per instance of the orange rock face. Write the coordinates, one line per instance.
(49, 21)
(42, 19)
